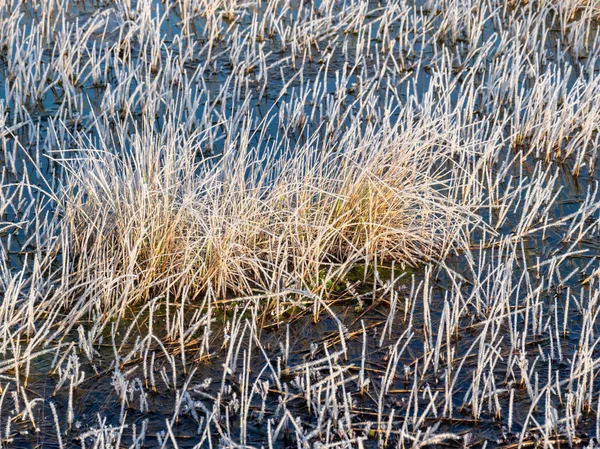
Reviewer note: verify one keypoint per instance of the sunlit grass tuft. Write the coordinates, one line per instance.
(158, 216)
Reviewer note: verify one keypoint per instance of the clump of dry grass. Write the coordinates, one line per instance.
(159, 216)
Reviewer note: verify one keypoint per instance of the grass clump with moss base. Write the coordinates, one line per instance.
(160, 217)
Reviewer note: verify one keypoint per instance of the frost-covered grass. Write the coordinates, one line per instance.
(320, 224)
(247, 223)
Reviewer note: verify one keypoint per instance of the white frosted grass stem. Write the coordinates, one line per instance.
(363, 359)
(56, 424)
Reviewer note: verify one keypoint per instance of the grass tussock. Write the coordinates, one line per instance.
(160, 216)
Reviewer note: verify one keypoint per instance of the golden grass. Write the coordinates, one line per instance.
(155, 219)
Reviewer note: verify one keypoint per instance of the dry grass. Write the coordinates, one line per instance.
(160, 216)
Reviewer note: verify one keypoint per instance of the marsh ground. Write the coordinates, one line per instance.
(336, 223)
